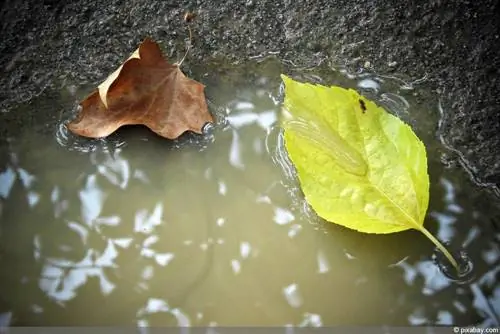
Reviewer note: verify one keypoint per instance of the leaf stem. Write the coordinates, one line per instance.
(440, 246)
(188, 45)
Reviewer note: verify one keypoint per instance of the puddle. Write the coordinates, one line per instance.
(214, 231)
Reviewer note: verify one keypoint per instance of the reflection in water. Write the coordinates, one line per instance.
(446, 231)
(5, 319)
(292, 295)
(7, 180)
(61, 278)
(215, 231)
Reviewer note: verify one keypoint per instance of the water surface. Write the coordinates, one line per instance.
(213, 230)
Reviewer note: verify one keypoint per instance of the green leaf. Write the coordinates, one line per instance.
(358, 166)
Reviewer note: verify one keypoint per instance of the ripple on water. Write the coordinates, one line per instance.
(465, 273)
(85, 145)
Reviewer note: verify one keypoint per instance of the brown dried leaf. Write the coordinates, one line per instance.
(145, 90)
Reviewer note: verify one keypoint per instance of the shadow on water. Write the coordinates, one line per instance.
(135, 229)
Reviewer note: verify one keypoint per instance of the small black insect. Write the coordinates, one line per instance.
(362, 105)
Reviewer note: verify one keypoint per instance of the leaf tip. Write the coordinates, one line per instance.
(286, 79)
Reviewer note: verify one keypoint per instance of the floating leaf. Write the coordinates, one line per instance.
(145, 90)
(358, 166)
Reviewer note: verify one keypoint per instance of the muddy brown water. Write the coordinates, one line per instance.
(213, 230)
